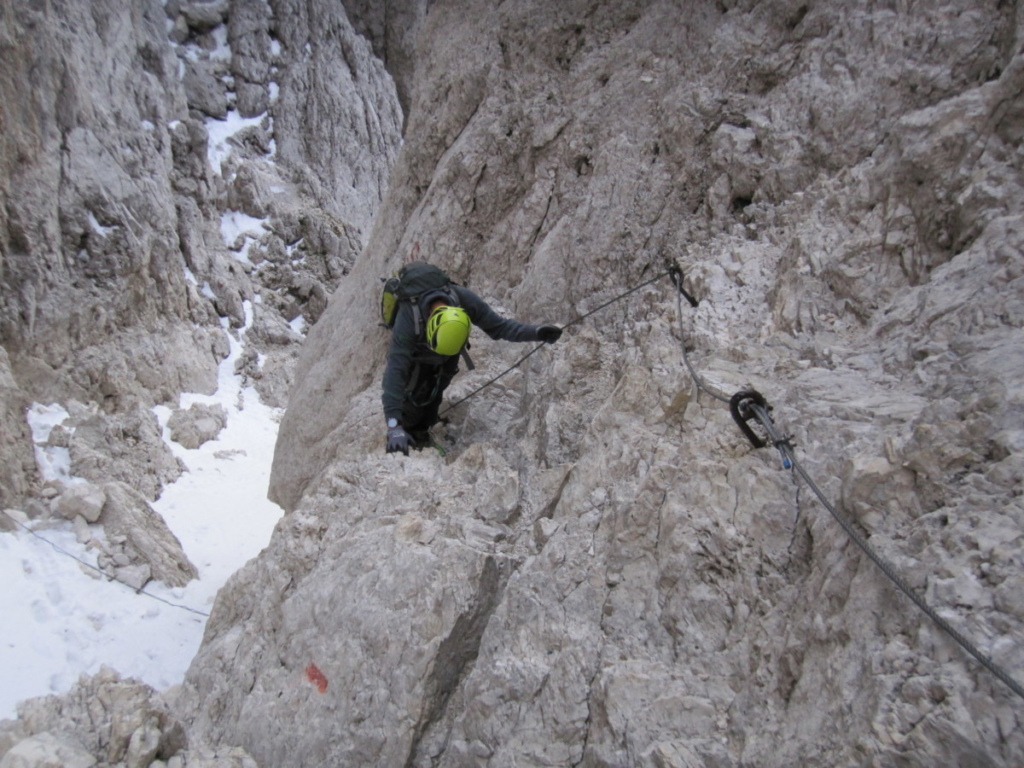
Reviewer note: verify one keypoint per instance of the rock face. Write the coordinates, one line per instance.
(393, 28)
(603, 570)
(126, 514)
(132, 223)
(199, 424)
(107, 720)
(175, 178)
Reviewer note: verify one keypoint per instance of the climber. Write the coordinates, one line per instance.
(421, 365)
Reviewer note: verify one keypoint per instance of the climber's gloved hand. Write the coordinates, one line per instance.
(398, 440)
(549, 334)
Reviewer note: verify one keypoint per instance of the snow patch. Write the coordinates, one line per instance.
(98, 228)
(222, 51)
(220, 131)
(62, 620)
(54, 462)
(43, 418)
(235, 225)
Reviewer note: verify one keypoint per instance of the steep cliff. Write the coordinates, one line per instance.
(602, 570)
(138, 212)
(175, 178)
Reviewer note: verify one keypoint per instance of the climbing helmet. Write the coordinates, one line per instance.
(448, 329)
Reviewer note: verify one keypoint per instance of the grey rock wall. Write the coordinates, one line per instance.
(392, 27)
(139, 229)
(117, 180)
(602, 570)
(108, 720)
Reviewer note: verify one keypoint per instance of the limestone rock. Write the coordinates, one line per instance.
(85, 500)
(199, 424)
(116, 273)
(127, 514)
(458, 584)
(602, 570)
(850, 233)
(357, 125)
(251, 56)
(204, 90)
(392, 29)
(17, 465)
(47, 750)
(203, 16)
(11, 732)
(11, 518)
(106, 715)
(128, 448)
(135, 576)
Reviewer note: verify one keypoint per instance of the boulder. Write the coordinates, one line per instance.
(81, 500)
(47, 750)
(197, 425)
(127, 514)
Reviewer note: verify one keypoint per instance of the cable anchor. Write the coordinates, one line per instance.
(750, 404)
(741, 407)
(676, 273)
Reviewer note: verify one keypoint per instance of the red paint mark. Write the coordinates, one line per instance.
(315, 676)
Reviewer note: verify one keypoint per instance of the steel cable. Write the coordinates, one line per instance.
(571, 323)
(105, 575)
(782, 443)
(686, 358)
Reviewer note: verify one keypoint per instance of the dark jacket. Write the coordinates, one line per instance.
(407, 351)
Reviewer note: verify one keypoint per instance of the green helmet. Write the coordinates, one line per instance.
(448, 329)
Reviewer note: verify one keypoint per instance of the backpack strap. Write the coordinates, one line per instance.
(417, 319)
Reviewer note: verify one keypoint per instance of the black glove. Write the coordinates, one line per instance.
(398, 440)
(549, 334)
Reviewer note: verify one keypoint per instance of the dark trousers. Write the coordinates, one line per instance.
(423, 401)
